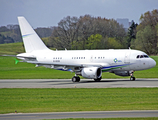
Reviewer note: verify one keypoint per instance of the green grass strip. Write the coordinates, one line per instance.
(65, 100)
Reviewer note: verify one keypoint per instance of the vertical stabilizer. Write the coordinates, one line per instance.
(30, 38)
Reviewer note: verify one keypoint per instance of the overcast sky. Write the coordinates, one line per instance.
(46, 13)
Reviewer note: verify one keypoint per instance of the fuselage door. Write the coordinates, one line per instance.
(127, 57)
(91, 59)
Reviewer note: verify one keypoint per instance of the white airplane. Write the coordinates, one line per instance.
(87, 63)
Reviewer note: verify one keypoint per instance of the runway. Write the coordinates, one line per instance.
(84, 83)
(93, 114)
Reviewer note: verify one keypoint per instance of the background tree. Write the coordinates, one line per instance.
(63, 35)
(93, 42)
(44, 32)
(147, 38)
(131, 33)
(1, 39)
(113, 44)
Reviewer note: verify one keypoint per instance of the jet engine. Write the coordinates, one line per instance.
(91, 72)
(122, 73)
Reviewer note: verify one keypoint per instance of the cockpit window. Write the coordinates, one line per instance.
(142, 56)
(137, 56)
(145, 56)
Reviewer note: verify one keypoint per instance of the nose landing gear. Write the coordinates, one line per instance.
(132, 78)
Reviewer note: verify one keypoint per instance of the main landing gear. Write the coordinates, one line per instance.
(76, 79)
(132, 78)
(98, 79)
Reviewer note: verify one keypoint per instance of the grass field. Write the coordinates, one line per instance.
(60, 100)
(11, 48)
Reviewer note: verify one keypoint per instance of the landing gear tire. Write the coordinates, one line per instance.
(98, 79)
(132, 78)
(76, 79)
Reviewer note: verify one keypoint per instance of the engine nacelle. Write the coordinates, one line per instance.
(91, 72)
(122, 73)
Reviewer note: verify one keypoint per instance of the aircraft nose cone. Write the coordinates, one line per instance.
(152, 63)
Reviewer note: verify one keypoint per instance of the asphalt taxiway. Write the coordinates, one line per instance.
(93, 114)
(84, 83)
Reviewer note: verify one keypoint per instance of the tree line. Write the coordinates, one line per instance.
(88, 32)
(11, 33)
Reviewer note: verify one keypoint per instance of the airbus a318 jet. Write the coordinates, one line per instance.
(87, 63)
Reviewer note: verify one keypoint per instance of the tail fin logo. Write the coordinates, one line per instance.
(24, 36)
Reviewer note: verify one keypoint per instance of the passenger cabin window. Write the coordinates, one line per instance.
(77, 58)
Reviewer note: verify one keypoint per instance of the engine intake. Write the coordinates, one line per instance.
(91, 72)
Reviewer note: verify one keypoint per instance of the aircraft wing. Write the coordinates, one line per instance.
(33, 60)
(72, 65)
